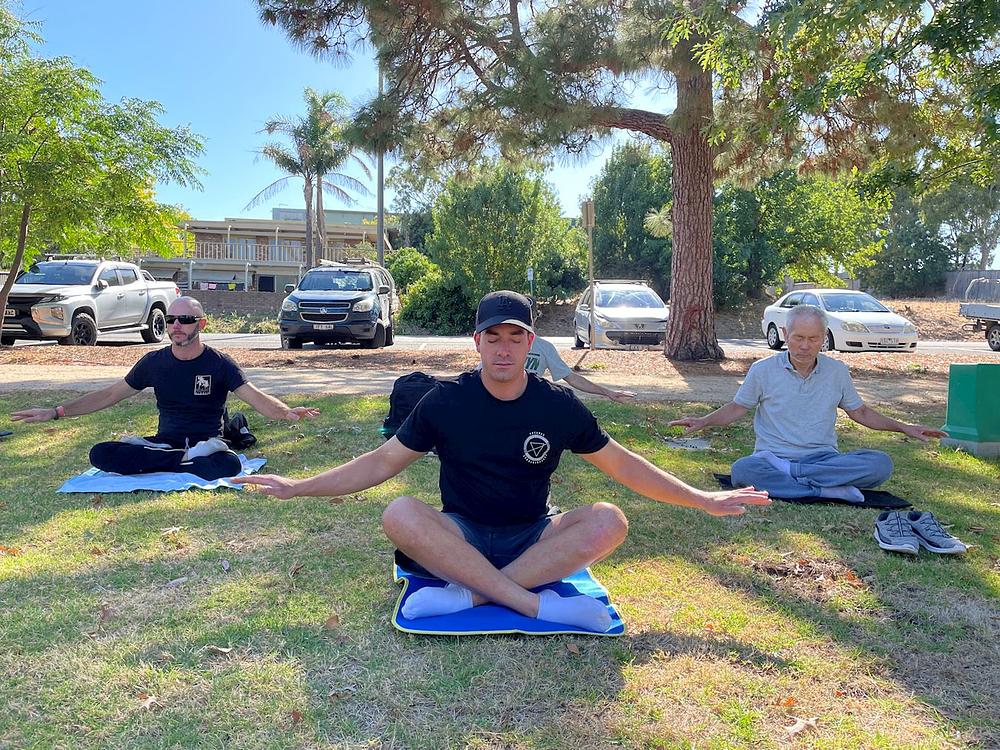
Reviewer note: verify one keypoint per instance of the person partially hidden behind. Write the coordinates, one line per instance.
(797, 394)
(191, 382)
(500, 433)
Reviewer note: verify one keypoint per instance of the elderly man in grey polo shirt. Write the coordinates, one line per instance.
(796, 395)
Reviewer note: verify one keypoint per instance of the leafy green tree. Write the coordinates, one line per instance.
(491, 227)
(407, 266)
(317, 150)
(968, 217)
(913, 260)
(76, 171)
(633, 182)
(833, 87)
(439, 304)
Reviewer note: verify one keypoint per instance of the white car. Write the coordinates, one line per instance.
(627, 314)
(857, 321)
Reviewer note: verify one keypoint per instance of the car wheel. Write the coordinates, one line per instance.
(993, 337)
(291, 343)
(7, 340)
(377, 341)
(773, 339)
(828, 345)
(156, 327)
(82, 332)
(577, 341)
(388, 336)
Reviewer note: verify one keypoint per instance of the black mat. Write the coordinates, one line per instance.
(877, 499)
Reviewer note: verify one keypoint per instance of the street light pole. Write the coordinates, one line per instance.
(587, 212)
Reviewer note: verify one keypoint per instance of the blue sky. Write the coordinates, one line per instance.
(215, 67)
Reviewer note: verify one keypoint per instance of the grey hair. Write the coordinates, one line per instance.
(192, 302)
(805, 311)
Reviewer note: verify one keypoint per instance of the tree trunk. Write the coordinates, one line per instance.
(308, 192)
(691, 326)
(320, 219)
(15, 264)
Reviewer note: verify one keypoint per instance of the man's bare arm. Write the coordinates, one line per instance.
(272, 407)
(641, 476)
(877, 421)
(86, 404)
(363, 472)
(719, 418)
(588, 386)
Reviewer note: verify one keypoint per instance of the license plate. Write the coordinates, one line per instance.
(9, 312)
(324, 326)
(888, 341)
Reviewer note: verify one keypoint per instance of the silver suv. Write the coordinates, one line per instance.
(340, 302)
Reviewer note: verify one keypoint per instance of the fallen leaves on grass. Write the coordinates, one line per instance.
(176, 582)
(97, 500)
(296, 717)
(332, 622)
(804, 573)
(800, 726)
(573, 648)
(218, 650)
(146, 700)
(12, 551)
(225, 564)
(294, 570)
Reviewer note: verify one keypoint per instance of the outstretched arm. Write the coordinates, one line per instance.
(363, 472)
(86, 404)
(719, 418)
(641, 476)
(877, 421)
(588, 386)
(272, 407)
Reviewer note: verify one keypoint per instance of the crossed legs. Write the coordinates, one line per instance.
(571, 541)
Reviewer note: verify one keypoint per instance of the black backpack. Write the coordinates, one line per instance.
(236, 431)
(406, 394)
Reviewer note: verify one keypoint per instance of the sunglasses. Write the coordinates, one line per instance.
(184, 320)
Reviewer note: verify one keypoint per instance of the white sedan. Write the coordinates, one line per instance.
(857, 321)
(628, 314)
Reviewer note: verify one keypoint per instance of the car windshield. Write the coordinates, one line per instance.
(859, 302)
(628, 298)
(54, 272)
(336, 281)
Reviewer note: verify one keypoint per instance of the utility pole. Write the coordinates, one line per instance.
(380, 190)
(587, 212)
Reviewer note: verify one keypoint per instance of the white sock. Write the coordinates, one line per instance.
(781, 464)
(843, 492)
(437, 600)
(205, 448)
(583, 611)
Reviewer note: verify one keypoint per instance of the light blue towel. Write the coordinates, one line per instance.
(492, 618)
(96, 480)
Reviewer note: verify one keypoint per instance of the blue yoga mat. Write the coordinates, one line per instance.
(493, 618)
(95, 480)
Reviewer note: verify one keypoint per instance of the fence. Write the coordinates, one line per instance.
(956, 282)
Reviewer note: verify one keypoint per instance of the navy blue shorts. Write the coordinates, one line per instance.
(501, 545)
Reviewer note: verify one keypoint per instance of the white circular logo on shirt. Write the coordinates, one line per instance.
(536, 448)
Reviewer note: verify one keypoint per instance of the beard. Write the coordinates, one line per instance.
(184, 339)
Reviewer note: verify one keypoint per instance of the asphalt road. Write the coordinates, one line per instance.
(423, 343)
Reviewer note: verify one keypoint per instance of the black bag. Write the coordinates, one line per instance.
(236, 431)
(406, 394)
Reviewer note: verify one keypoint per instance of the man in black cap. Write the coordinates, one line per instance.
(500, 433)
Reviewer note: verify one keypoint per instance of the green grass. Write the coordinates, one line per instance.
(725, 641)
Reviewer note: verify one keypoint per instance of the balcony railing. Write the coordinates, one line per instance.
(259, 253)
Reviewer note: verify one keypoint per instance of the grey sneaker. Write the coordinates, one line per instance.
(932, 536)
(893, 532)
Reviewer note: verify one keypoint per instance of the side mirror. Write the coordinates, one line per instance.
(584, 307)
(383, 289)
(289, 288)
(102, 284)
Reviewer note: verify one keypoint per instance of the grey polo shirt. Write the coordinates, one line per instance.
(796, 415)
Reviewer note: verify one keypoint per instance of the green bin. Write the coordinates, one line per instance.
(973, 421)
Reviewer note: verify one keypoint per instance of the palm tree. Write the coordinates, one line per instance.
(317, 151)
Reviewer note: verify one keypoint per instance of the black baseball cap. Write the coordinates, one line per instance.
(501, 307)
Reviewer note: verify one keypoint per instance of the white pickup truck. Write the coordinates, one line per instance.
(982, 304)
(74, 301)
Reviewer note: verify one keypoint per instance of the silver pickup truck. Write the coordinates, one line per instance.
(74, 301)
(982, 305)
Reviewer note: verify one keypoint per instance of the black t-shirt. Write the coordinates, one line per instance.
(190, 394)
(497, 456)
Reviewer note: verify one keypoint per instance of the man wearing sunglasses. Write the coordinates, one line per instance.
(191, 382)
